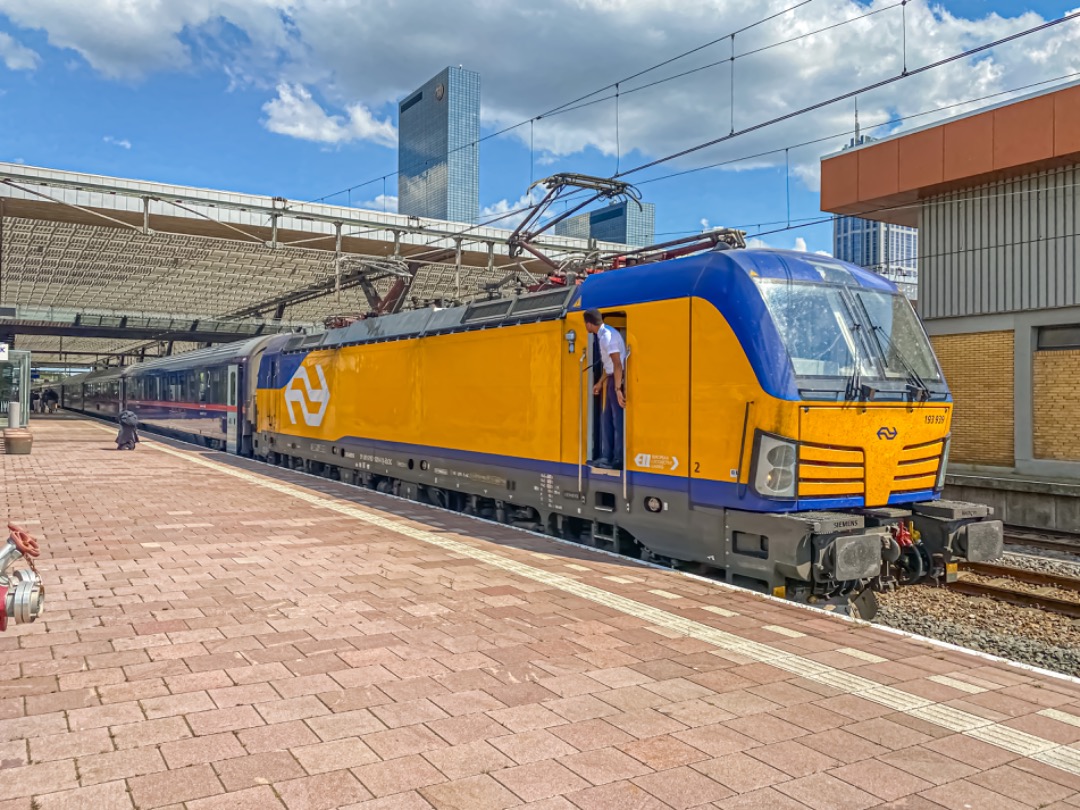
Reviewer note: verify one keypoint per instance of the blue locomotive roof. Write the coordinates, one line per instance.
(690, 276)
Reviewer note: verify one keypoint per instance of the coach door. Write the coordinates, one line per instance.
(232, 443)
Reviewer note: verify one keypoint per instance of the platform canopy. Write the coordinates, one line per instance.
(94, 267)
(889, 179)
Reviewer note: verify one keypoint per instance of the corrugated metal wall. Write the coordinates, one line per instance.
(1003, 247)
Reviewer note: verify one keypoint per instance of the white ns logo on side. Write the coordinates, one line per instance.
(299, 393)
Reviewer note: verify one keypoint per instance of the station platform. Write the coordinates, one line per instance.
(1039, 503)
(221, 634)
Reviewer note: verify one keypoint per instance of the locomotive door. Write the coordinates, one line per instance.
(593, 373)
(232, 423)
(658, 394)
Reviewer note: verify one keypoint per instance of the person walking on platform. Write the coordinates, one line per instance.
(49, 399)
(612, 383)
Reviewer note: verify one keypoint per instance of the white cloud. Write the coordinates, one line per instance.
(125, 39)
(383, 202)
(16, 56)
(508, 215)
(355, 61)
(123, 143)
(296, 113)
(800, 245)
(704, 224)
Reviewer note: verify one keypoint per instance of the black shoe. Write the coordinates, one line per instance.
(601, 464)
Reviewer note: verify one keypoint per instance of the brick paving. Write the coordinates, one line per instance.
(211, 642)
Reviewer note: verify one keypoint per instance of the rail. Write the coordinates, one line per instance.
(1064, 542)
(1003, 592)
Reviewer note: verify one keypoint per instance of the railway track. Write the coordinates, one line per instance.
(1005, 592)
(1048, 541)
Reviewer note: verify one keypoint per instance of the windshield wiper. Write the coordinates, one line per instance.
(855, 388)
(915, 383)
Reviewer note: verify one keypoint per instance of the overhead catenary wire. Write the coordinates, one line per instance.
(576, 103)
(807, 221)
(794, 224)
(778, 119)
(802, 111)
(983, 248)
(853, 93)
(515, 211)
(919, 204)
(832, 137)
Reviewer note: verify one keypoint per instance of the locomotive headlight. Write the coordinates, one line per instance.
(777, 461)
(944, 464)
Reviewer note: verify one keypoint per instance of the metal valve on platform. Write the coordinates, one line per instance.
(22, 595)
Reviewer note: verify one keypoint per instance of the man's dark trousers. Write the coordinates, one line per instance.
(611, 436)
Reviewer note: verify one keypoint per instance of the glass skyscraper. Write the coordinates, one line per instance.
(622, 222)
(889, 250)
(439, 150)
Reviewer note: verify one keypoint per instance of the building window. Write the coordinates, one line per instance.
(1059, 337)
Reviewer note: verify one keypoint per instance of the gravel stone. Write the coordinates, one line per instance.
(1027, 635)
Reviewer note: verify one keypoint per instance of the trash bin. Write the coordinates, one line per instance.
(14, 415)
(18, 441)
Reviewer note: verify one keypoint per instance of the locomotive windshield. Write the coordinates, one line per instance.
(833, 331)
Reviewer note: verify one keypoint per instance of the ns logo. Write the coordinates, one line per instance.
(311, 401)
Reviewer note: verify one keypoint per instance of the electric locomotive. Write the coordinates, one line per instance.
(786, 426)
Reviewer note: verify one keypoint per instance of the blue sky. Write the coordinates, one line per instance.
(296, 98)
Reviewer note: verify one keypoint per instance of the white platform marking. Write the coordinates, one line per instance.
(870, 658)
(783, 631)
(719, 611)
(1064, 717)
(953, 683)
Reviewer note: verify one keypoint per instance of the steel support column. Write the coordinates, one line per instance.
(457, 268)
(337, 262)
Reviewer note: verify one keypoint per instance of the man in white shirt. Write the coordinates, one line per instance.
(612, 383)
